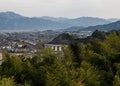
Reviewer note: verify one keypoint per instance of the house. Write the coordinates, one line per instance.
(61, 41)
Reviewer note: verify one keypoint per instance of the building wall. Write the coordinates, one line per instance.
(55, 47)
(0, 58)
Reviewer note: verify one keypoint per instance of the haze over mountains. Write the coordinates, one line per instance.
(13, 21)
(105, 27)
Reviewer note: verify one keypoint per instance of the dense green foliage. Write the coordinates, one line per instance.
(96, 63)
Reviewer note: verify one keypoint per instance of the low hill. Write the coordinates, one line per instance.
(68, 38)
(64, 38)
(97, 34)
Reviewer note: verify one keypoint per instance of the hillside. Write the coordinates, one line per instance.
(98, 34)
(68, 38)
(96, 63)
(64, 38)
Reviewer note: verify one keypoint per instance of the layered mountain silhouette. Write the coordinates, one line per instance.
(10, 20)
(82, 21)
(105, 27)
(14, 21)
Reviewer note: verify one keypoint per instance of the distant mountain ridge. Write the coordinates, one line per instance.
(113, 19)
(106, 27)
(81, 21)
(10, 20)
(14, 21)
(10, 15)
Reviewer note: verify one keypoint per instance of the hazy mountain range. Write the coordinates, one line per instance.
(13, 21)
(82, 21)
(105, 27)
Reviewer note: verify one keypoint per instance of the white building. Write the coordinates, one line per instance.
(55, 47)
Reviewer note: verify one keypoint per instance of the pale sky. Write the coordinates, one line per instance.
(63, 8)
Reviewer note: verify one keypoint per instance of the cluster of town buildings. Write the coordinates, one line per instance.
(19, 47)
(57, 44)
